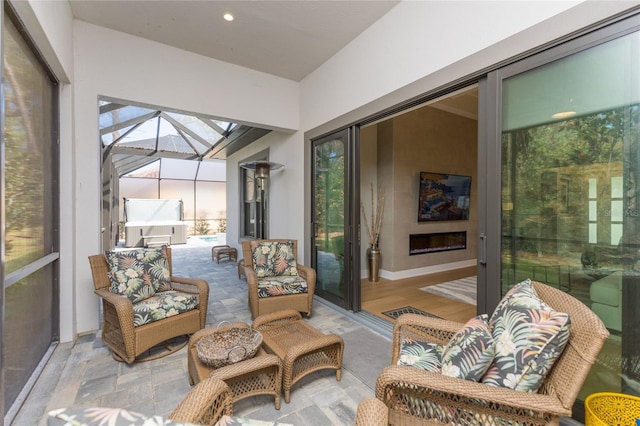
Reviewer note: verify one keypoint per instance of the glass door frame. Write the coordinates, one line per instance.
(490, 154)
(489, 149)
(351, 270)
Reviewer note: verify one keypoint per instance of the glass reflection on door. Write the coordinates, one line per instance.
(571, 192)
(329, 216)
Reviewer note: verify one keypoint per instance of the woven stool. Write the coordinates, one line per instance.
(223, 251)
(301, 348)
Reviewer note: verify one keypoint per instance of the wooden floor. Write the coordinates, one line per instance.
(386, 295)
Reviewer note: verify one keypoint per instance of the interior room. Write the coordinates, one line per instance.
(439, 137)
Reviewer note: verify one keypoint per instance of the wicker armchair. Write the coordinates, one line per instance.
(408, 395)
(301, 302)
(205, 404)
(118, 331)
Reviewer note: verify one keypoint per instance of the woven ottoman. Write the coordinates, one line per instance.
(260, 375)
(301, 348)
(222, 252)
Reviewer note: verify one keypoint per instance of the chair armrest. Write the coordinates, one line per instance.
(372, 412)
(422, 328)
(122, 305)
(252, 288)
(190, 285)
(393, 379)
(276, 319)
(206, 403)
(309, 275)
(251, 276)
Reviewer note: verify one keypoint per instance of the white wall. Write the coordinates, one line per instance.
(121, 66)
(416, 39)
(285, 188)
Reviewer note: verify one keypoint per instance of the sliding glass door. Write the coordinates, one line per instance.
(333, 238)
(567, 147)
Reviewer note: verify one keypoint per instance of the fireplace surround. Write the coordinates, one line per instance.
(436, 242)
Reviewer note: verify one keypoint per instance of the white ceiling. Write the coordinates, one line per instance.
(289, 39)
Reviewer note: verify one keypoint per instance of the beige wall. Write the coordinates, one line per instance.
(426, 139)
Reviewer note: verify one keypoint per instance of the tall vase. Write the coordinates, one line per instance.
(373, 262)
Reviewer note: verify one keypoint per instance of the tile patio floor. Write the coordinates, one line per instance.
(83, 373)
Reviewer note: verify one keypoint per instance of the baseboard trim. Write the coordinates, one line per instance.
(408, 273)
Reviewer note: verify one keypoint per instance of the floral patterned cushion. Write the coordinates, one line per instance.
(470, 351)
(529, 336)
(280, 286)
(101, 416)
(271, 258)
(522, 291)
(425, 355)
(98, 416)
(138, 274)
(163, 304)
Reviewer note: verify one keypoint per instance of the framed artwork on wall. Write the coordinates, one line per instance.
(443, 196)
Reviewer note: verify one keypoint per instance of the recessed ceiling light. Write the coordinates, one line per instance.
(228, 17)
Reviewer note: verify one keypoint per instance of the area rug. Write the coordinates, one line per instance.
(463, 290)
(395, 313)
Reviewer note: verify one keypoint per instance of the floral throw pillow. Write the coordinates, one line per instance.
(424, 355)
(529, 337)
(523, 291)
(97, 416)
(470, 351)
(138, 274)
(272, 258)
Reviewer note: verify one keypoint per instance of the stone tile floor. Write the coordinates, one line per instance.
(83, 373)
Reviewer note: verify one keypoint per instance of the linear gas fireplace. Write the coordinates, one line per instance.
(438, 241)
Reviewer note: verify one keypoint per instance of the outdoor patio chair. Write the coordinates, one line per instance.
(143, 303)
(205, 404)
(275, 280)
(406, 394)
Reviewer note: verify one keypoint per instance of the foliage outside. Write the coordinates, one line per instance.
(202, 227)
(222, 225)
(329, 193)
(548, 179)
